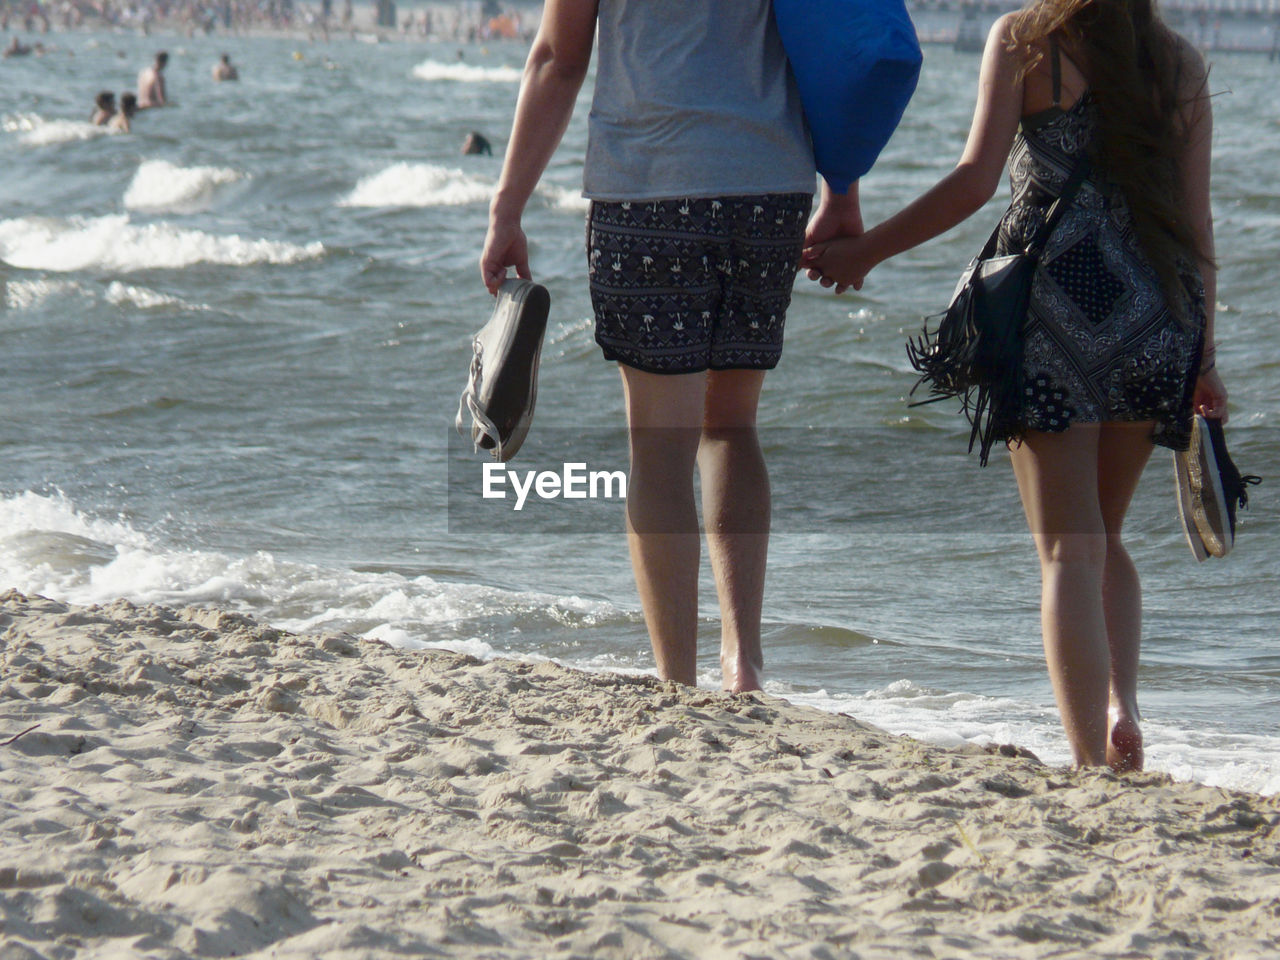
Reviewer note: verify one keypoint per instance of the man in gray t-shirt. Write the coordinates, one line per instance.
(701, 178)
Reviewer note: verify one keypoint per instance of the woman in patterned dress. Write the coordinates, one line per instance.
(1119, 334)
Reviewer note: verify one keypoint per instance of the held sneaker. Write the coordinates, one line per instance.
(503, 382)
(1209, 490)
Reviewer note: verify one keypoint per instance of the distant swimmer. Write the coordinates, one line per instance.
(223, 70)
(104, 108)
(478, 144)
(128, 107)
(16, 48)
(151, 92)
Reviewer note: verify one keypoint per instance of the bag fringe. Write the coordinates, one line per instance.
(948, 361)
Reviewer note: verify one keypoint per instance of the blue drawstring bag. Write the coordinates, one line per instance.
(856, 63)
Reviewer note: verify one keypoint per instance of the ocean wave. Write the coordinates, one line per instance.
(432, 185)
(28, 294)
(419, 185)
(465, 73)
(126, 295)
(50, 547)
(162, 187)
(28, 513)
(113, 243)
(565, 199)
(35, 131)
(953, 719)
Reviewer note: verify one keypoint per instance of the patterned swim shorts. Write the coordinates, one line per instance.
(681, 286)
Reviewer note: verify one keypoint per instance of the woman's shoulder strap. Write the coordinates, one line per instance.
(1055, 69)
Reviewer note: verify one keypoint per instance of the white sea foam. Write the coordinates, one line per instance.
(50, 547)
(432, 185)
(951, 719)
(26, 294)
(113, 243)
(421, 611)
(162, 187)
(419, 185)
(29, 512)
(35, 131)
(126, 295)
(565, 199)
(465, 73)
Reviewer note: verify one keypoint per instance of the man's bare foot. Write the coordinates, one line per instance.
(1124, 744)
(741, 677)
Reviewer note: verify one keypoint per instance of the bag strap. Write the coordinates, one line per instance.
(1060, 205)
(1069, 189)
(1055, 70)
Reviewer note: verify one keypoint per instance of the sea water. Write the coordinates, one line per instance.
(233, 342)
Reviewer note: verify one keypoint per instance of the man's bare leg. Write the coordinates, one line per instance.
(736, 511)
(664, 414)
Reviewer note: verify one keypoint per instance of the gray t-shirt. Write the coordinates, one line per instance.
(693, 98)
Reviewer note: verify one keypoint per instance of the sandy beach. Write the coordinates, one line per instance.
(193, 784)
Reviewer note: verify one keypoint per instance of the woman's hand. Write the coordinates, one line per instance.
(844, 261)
(1210, 396)
(505, 246)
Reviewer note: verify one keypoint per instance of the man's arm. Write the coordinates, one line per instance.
(553, 75)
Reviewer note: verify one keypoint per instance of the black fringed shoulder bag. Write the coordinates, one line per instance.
(975, 354)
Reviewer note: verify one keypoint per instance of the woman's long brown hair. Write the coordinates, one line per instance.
(1131, 61)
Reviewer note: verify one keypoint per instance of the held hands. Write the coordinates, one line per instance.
(843, 261)
(838, 215)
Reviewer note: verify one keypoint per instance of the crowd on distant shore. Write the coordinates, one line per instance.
(476, 20)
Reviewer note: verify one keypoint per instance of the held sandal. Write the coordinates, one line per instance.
(503, 382)
(1210, 488)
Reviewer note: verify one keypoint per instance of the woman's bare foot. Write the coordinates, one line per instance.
(1124, 743)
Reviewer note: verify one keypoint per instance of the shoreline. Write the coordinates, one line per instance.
(309, 26)
(1228, 31)
(179, 783)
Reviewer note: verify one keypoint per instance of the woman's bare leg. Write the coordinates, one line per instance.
(736, 511)
(1123, 452)
(1057, 479)
(664, 414)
